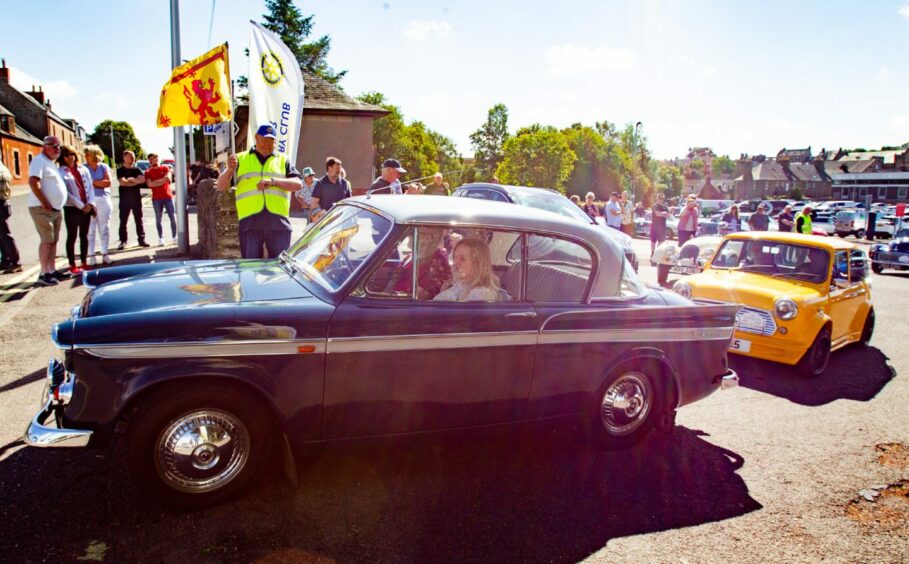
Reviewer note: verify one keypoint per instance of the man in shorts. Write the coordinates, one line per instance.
(45, 205)
(658, 214)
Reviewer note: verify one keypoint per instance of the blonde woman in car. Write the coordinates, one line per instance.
(473, 280)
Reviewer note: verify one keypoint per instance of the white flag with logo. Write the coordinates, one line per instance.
(275, 91)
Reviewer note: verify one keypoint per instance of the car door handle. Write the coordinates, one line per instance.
(522, 314)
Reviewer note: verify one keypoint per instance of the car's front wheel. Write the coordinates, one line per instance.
(193, 449)
(815, 359)
(868, 328)
(626, 406)
(876, 268)
(860, 234)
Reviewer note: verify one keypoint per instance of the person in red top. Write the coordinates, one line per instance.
(158, 179)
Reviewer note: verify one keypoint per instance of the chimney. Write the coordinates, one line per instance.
(4, 72)
(37, 94)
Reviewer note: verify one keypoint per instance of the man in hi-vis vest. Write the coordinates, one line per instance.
(264, 183)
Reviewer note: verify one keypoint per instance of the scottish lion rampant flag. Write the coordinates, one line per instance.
(197, 92)
(275, 90)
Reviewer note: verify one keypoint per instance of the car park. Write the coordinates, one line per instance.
(803, 296)
(543, 199)
(894, 255)
(200, 371)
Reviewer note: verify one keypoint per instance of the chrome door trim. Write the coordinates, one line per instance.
(203, 349)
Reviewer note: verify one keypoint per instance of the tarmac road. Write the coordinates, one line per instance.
(764, 472)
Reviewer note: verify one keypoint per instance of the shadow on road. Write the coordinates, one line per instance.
(856, 373)
(523, 495)
(24, 381)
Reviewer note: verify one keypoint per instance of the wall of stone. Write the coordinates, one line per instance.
(216, 211)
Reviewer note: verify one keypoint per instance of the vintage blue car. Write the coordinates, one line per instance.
(894, 255)
(201, 371)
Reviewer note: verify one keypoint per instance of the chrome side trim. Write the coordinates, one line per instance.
(38, 435)
(202, 349)
(611, 311)
(635, 335)
(729, 380)
(431, 342)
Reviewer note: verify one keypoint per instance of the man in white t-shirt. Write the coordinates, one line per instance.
(613, 212)
(45, 203)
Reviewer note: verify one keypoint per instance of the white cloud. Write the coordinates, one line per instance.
(55, 90)
(904, 10)
(708, 72)
(883, 72)
(421, 30)
(568, 60)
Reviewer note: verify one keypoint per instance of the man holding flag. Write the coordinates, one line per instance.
(264, 183)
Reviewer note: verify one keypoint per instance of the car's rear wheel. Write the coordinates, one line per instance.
(626, 406)
(197, 448)
(815, 359)
(868, 328)
(876, 268)
(860, 234)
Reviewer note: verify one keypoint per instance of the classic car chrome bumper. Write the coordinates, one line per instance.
(729, 380)
(58, 391)
(38, 435)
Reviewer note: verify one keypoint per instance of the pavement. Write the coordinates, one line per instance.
(779, 469)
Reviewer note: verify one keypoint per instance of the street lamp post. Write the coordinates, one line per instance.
(111, 143)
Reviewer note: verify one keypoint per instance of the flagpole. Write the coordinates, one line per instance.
(230, 130)
(179, 143)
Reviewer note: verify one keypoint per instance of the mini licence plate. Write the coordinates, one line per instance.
(740, 345)
(685, 270)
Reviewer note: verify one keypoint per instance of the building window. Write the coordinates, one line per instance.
(882, 193)
(902, 192)
(29, 159)
(17, 169)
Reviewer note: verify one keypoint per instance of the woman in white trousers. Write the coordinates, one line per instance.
(101, 180)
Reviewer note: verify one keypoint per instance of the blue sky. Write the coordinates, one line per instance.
(735, 76)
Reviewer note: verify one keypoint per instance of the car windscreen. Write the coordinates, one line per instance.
(332, 250)
(550, 202)
(774, 258)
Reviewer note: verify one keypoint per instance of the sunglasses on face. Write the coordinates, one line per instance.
(54, 145)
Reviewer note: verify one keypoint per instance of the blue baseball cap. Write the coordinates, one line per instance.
(266, 131)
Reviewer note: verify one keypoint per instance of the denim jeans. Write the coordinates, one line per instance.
(252, 240)
(161, 205)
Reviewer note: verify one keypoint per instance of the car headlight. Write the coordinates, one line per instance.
(785, 309)
(682, 289)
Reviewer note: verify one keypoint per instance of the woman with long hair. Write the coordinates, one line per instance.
(79, 207)
(732, 220)
(100, 226)
(473, 280)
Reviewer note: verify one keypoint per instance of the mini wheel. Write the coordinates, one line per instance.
(815, 359)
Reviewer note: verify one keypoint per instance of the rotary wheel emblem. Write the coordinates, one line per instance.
(272, 68)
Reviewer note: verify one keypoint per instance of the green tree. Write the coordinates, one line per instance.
(388, 130)
(489, 141)
(537, 157)
(723, 165)
(669, 179)
(586, 142)
(124, 139)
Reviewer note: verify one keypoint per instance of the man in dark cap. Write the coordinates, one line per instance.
(388, 182)
(264, 184)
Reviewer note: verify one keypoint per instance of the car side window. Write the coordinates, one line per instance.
(557, 270)
(390, 279)
(841, 266)
(858, 265)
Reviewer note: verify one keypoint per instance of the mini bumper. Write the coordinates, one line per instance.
(39, 435)
(729, 380)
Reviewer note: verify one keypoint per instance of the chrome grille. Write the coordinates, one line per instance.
(757, 321)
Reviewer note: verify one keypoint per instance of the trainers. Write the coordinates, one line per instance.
(144, 244)
(91, 260)
(106, 259)
(60, 276)
(74, 270)
(121, 246)
(85, 267)
(46, 280)
(161, 243)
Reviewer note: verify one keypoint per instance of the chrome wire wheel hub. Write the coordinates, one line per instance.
(626, 404)
(202, 451)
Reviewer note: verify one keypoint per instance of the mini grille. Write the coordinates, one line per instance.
(757, 321)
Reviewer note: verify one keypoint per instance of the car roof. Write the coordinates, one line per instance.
(829, 243)
(509, 188)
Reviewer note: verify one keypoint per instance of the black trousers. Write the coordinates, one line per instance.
(77, 223)
(9, 253)
(131, 203)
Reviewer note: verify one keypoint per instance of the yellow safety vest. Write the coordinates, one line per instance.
(806, 224)
(251, 200)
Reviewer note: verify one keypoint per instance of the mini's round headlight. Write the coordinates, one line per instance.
(785, 309)
(682, 289)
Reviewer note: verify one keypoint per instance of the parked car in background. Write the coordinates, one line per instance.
(143, 165)
(848, 222)
(886, 225)
(642, 225)
(205, 369)
(543, 199)
(689, 259)
(894, 255)
(823, 220)
(802, 296)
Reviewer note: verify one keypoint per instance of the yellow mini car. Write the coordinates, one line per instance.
(803, 295)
